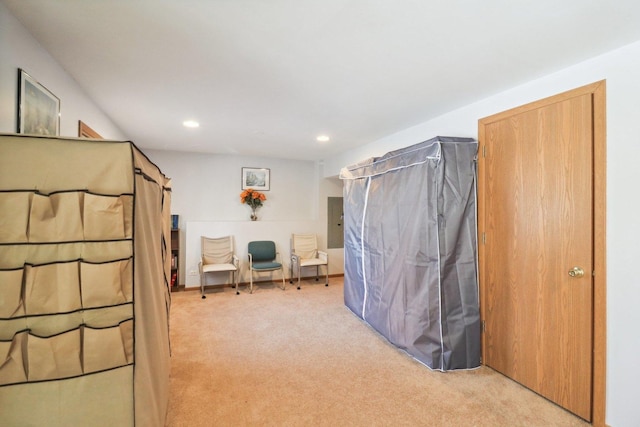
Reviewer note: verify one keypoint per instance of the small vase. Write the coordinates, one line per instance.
(254, 216)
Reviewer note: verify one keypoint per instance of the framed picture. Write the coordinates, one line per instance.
(84, 131)
(256, 178)
(38, 108)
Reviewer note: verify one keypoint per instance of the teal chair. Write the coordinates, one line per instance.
(263, 257)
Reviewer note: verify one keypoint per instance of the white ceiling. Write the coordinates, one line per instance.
(265, 77)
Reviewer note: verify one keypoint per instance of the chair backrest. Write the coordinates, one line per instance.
(305, 245)
(262, 250)
(217, 250)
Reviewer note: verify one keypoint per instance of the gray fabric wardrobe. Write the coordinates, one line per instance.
(410, 250)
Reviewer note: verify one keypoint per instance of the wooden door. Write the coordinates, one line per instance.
(537, 224)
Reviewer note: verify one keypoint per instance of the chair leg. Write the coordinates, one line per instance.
(283, 285)
(250, 281)
(326, 278)
(291, 270)
(299, 276)
(202, 287)
(317, 275)
(235, 280)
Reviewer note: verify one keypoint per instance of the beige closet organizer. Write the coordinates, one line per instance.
(84, 295)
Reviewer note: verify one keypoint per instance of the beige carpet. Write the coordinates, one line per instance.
(300, 358)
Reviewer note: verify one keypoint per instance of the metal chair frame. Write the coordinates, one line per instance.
(305, 253)
(263, 257)
(217, 256)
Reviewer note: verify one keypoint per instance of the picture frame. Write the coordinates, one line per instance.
(38, 107)
(256, 178)
(84, 131)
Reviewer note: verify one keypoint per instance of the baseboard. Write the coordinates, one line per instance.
(229, 285)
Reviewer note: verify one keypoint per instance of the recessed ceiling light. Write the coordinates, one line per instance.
(322, 138)
(190, 124)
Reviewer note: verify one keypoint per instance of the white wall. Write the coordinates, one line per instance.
(621, 69)
(207, 187)
(206, 194)
(18, 49)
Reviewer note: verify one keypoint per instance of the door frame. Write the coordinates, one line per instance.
(597, 91)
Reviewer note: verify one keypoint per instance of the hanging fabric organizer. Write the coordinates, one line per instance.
(410, 250)
(84, 295)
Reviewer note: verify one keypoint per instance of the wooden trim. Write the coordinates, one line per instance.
(584, 90)
(481, 201)
(85, 131)
(599, 262)
(598, 93)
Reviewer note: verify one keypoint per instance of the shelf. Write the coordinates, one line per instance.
(175, 259)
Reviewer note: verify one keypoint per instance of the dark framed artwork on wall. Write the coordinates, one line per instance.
(38, 108)
(256, 178)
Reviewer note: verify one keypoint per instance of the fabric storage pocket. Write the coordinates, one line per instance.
(126, 330)
(103, 251)
(106, 284)
(52, 288)
(10, 327)
(12, 359)
(15, 216)
(52, 324)
(106, 348)
(54, 357)
(105, 217)
(56, 217)
(11, 303)
(106, 317)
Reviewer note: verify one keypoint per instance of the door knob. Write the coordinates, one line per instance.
(576, 272)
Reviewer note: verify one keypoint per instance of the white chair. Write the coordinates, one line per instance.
(218, 256)
(305, 253)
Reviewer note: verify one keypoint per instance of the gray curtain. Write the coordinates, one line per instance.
(410, 250)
